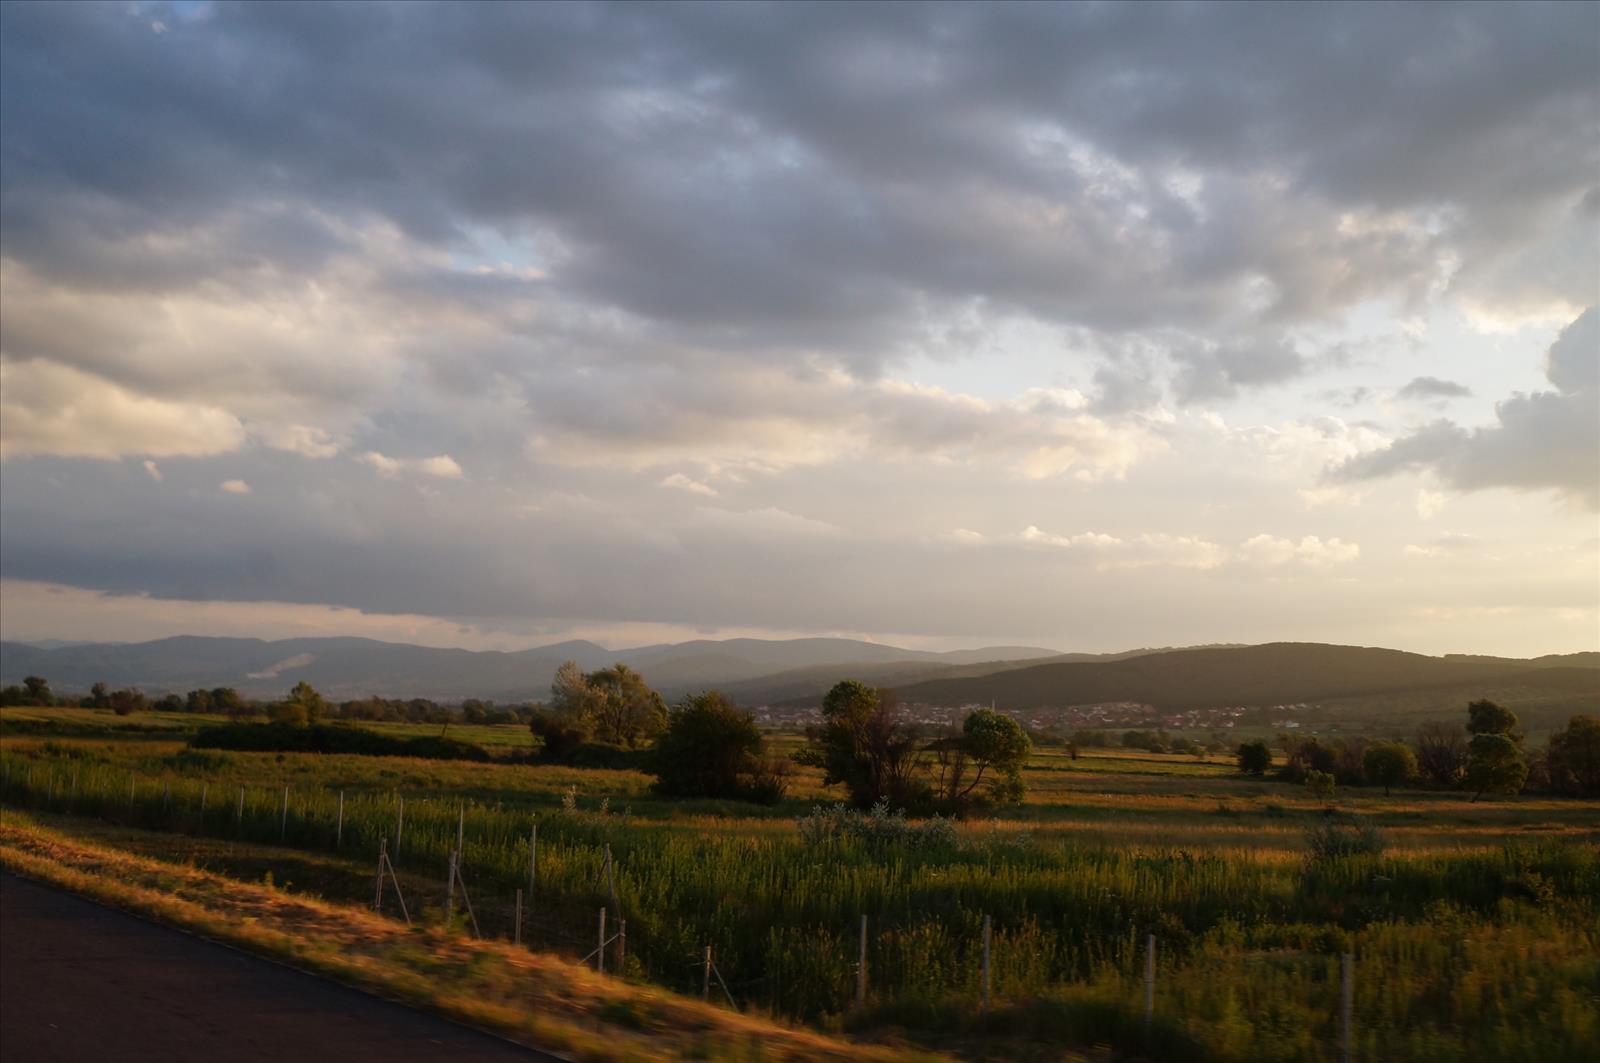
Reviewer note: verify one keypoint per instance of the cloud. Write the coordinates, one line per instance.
(1272, 551)
(442, 465)
(1141, 551)
(47, 408)
(235, 487)
(684, 483)
(1431, 387)
(1545, 440)
(152, 470)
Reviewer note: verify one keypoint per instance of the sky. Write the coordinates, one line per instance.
(1084, 326)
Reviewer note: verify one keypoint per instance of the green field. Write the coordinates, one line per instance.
(1476, 932)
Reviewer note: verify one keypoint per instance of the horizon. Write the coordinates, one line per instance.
(938, 327)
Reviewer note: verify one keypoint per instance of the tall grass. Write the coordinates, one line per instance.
(1497, 946)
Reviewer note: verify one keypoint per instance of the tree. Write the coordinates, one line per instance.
(712, 748)
(1495, 765)
(1442, 753)
(289, 712)
(1255, 757)
(627, 711)
(1306, 756)
(311, 703)
(1389, 764)
(1484, 717)
(38, 690)
(989, 743)
(226, 700)
(125, 702)
(100, 696)
(198, 701)
(1573, 758)
(865, 744)
(612, 705)
(170, 703)
(1321, 784)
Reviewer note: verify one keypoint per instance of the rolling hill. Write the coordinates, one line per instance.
(1273, 674)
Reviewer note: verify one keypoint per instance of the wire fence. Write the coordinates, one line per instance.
(419, 854)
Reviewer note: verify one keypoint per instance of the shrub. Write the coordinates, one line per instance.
(712, 748)
(1254, 757)
(877, 829)
(323, 738)
(1355, 837)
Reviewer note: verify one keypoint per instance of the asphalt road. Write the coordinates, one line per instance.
(79, 981)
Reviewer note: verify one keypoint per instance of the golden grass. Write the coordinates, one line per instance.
(534, 998)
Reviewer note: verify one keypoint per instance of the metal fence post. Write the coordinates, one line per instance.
(861, 966)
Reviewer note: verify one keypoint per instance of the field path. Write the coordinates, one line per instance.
(81, 982)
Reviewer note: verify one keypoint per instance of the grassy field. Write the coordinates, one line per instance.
(1475, 931)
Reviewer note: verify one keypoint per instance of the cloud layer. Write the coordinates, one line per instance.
(723, 316)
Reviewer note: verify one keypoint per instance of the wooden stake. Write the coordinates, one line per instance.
(1149, 983)
(517, 924)
(238, 817)
(461, 826)
(377, 880)
(600, 953)
(861, 966)
(705, 979)
(467, 901)
(450, 891)
(399, 896)
(611, 881)
(533, 859)
(283, 829)
(338, 831)
(1348, 999)
(399, 822)
(622, 946)
(988, 935)
(203, 788)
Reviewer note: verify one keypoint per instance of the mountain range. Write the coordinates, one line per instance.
(798, 671)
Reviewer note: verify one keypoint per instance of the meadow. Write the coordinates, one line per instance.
(1476, 930)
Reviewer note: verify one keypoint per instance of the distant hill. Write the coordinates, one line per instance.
(1274, 674)
(354, 667)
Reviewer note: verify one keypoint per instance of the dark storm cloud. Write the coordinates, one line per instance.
(1543, 440)
(802, 176)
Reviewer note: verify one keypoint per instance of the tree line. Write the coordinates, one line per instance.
(1485, 756)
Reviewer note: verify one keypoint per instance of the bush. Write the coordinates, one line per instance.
(1254, 757)
(878, 829)
(712, 748)
(1355, 837)
(323, 738)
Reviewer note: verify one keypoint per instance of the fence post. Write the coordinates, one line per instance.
(450, 892)
(238, 816)
(338, 830)
(705, 979)
(461, 827)
(533, 859)
(517, 921)
(283, 828)
(399, 822)
(600, 953)
(1149, 983)
(377, 881)
(988, 930)
(611, 882)
(1348, 998)
(861, 966)
(203, 787)
(622, 946)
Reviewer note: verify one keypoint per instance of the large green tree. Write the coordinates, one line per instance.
(990, 744)
(612, 705)
(1389, 764)
(712, 748)
(1573, 758)
(866, 744)
(1495, 761)
(1254, 757)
